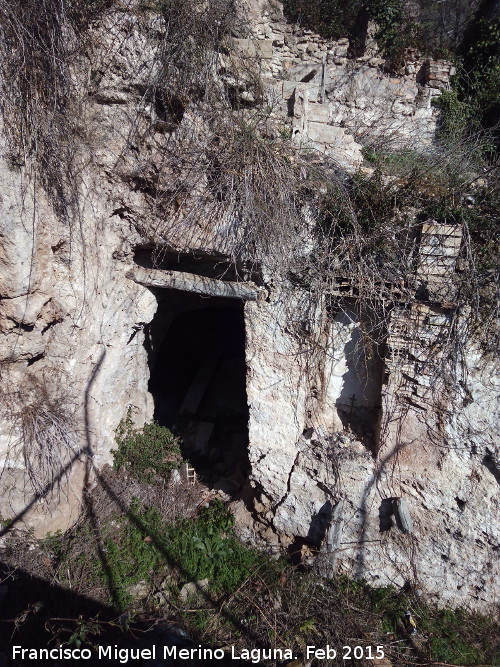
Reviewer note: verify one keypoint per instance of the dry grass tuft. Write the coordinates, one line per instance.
(45, 438)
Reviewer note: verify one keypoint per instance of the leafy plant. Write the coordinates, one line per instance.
(84, 629)
(478, 80)
(207, 549)
(390, 605)
(211, 545)
(53, 544)
(389, 16)
(142, 544)
(454, 117)
(147, 451)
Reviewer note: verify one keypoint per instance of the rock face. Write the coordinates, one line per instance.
(333, 441)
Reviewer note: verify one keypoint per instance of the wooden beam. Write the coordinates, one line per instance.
(200, 383)
(190, 282)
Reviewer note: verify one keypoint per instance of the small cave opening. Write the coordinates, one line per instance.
(198, 382)
(359, 404)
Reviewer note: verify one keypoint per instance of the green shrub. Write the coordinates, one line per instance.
(53, 544)
(454, 117)
(389, 17)
(208, 549)
(478, 81)
(390, 604)
(127, 558)
(472, 107)
(453, 636)
(204, 548)
(147, 451)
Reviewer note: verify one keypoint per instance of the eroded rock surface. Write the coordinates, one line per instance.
(330, 447)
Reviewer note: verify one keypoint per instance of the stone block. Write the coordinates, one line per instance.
(244, 46)
(314, 145)
(278, 39)
(111, 96)
(438, 321)
(289, 88)
(254, 48)
(433, 272)
(442, 230)
(439, 251)
(410, 92)
(439, 260)
(264, 48)
(311, 73)
(319, 113)
(326, 134)
(194, 590)
(341, 51)
(424, 113)
(448, 242)
(402, 108)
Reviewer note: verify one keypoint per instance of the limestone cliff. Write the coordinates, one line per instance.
(335, 435)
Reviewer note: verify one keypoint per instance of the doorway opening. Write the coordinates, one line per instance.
(359, 404)
(198, 382)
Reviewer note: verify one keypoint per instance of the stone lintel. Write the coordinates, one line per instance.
(190, 282)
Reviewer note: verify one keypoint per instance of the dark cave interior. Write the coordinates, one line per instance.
(198, 382)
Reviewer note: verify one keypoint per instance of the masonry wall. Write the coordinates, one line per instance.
(336, 103)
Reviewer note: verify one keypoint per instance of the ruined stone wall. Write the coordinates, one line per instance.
(338, 103)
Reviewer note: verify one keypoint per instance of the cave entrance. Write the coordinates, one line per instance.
(198, 382)
(359, 405)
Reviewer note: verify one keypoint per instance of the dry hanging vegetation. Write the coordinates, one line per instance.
(48, 444)
(224, 166)
(40, 44)
(35, 86)
(228, 165)
(229, 170)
